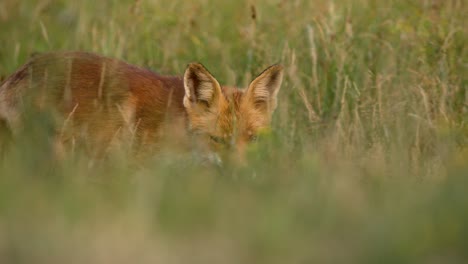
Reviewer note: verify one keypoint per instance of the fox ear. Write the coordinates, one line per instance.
(263, 91)
(200, 86)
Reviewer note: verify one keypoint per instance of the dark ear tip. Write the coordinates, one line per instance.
(273, 69)
(277, 67)
(195, 66)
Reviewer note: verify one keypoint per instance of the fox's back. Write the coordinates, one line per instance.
(93, 95)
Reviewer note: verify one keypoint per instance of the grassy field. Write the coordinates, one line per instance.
(367, 161)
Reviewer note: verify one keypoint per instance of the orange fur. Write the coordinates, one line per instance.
(99, 99)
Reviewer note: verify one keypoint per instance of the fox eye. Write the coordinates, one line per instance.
(219, 140)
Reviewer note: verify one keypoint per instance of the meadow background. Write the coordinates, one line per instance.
(367, 161)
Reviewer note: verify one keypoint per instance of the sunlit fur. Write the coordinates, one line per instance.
(101, 99)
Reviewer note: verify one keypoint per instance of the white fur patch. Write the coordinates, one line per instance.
(261, 91)
(205, 90)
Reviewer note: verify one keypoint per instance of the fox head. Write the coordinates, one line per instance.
(226, 118)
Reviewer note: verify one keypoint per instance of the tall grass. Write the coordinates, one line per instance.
(367, 161)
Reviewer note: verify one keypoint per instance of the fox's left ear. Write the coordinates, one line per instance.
(201, 88)
(263, 91)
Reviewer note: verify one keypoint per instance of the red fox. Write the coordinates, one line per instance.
(98, 98)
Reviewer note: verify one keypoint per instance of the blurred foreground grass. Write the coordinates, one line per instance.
(367, 161)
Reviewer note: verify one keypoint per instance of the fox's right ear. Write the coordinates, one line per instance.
(200, 86)
(263, 90)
